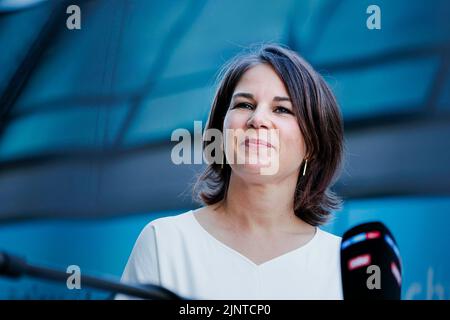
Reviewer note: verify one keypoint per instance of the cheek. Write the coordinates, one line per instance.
(233, 120)
(292, 143)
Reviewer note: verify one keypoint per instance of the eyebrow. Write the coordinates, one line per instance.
(250, 96)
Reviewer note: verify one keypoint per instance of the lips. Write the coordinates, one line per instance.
(257, 142)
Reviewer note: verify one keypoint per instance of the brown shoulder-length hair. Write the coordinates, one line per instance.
(319, 119)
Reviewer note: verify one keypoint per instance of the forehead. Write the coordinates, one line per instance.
(261, 79)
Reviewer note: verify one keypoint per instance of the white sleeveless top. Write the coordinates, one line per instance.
(177, 253)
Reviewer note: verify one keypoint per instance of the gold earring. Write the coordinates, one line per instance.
(223, 157)
(304, 168)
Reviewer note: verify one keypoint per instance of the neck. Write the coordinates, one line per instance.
(262, 207)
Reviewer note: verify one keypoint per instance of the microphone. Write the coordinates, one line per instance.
(16, 267)
(370, 263)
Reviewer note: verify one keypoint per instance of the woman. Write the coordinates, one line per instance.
(258, 235)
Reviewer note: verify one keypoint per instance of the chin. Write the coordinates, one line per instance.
(254, 172)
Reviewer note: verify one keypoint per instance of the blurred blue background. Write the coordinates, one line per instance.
(86, 117)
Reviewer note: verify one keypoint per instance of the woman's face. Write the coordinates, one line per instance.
(261, 108)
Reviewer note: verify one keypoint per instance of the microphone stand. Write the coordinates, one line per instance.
(16, 267)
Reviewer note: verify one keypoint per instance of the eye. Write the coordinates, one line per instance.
(280, 109)
(244, 105)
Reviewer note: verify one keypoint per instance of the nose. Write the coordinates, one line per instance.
(259, 119)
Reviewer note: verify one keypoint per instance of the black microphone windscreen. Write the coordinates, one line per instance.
(370, 263)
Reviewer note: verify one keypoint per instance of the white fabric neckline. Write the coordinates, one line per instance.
(248, 260)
